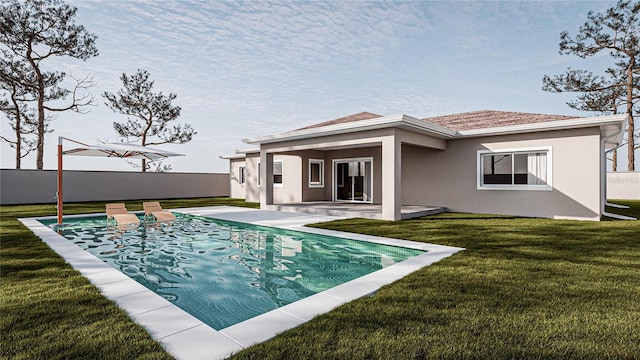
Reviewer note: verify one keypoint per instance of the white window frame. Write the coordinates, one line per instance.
(280, 184)
(274, 183)
(319, 184)
(512, 151)
(335, 183)
(242, 174)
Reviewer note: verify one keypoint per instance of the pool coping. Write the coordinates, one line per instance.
(186, 337)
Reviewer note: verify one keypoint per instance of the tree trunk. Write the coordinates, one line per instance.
(18, 128)
(41, 128)
(614, 167)
(41, 117)
(144, 140)
(631, 145)
(631, 128)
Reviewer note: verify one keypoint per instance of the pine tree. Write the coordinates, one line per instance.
(149, 113)
(35, 30)
(617, 31)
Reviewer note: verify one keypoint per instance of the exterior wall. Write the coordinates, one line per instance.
(449, 178)
(623, 185)
(251, 187)
(40, 186)
(291, 189)
(315, 193)
(237, 190)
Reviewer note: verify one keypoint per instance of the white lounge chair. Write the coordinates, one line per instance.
(118, 212)
(153, 208)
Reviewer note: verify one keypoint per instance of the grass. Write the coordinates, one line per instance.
(524, 288)
(49, 311)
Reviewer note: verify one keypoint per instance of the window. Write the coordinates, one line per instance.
(277, 173)
(515, 170)
(316, 173)
(242, 174)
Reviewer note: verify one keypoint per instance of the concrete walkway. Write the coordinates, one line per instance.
(354, 210)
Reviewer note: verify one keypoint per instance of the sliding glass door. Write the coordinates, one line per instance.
(353, 180)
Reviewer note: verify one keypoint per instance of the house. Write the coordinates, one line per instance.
(492, 162)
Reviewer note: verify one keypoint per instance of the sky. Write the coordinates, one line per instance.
(248, 69)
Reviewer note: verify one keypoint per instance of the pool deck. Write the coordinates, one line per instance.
(186, 337)
(355, 210)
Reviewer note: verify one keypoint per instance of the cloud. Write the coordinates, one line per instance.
(248, 68)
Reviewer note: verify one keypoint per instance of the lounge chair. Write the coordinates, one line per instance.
(153, 208)
(119, 213)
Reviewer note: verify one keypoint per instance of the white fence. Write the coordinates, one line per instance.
(39, 186)
(623, 185)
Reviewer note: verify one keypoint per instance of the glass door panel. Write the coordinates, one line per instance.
(343, 182)
(353, 181)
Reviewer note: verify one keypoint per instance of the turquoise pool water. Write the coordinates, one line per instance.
(225, 272)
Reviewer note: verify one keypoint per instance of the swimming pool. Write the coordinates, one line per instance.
(225, 272)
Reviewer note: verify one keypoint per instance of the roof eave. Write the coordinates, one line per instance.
(232, 157)
(401, 121)
(613, 133)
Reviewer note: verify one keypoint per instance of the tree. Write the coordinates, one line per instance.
(35, 30)
(15, 95)
(601, 94)
(22, 122)
(148, 113)
(618, 31)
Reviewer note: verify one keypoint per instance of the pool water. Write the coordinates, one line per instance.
(225, 272)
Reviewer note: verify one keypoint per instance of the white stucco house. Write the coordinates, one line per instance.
(491, 162)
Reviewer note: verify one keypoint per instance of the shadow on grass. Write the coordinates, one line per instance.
(524, 288)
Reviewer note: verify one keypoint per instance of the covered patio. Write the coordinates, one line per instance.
(374, 147)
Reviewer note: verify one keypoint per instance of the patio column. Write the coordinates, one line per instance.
(391, 178)
(266, 179)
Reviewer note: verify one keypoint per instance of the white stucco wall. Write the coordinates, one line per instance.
(237, 190)
(291, 189)
(252, 190)
(39, 186)
(449, 178)
(623, 185)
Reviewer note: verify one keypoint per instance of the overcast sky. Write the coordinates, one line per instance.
(247, 69)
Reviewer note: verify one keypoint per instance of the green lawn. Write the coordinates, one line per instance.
(49, 311)
(524, 288)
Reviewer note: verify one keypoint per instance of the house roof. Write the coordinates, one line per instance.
(469, 124)
(491, 118)
(481, 119)
(345, 119)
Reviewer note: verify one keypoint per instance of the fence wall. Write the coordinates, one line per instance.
(39, 186)
(623, 185)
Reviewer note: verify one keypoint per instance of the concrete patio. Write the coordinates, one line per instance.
(354, 210)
